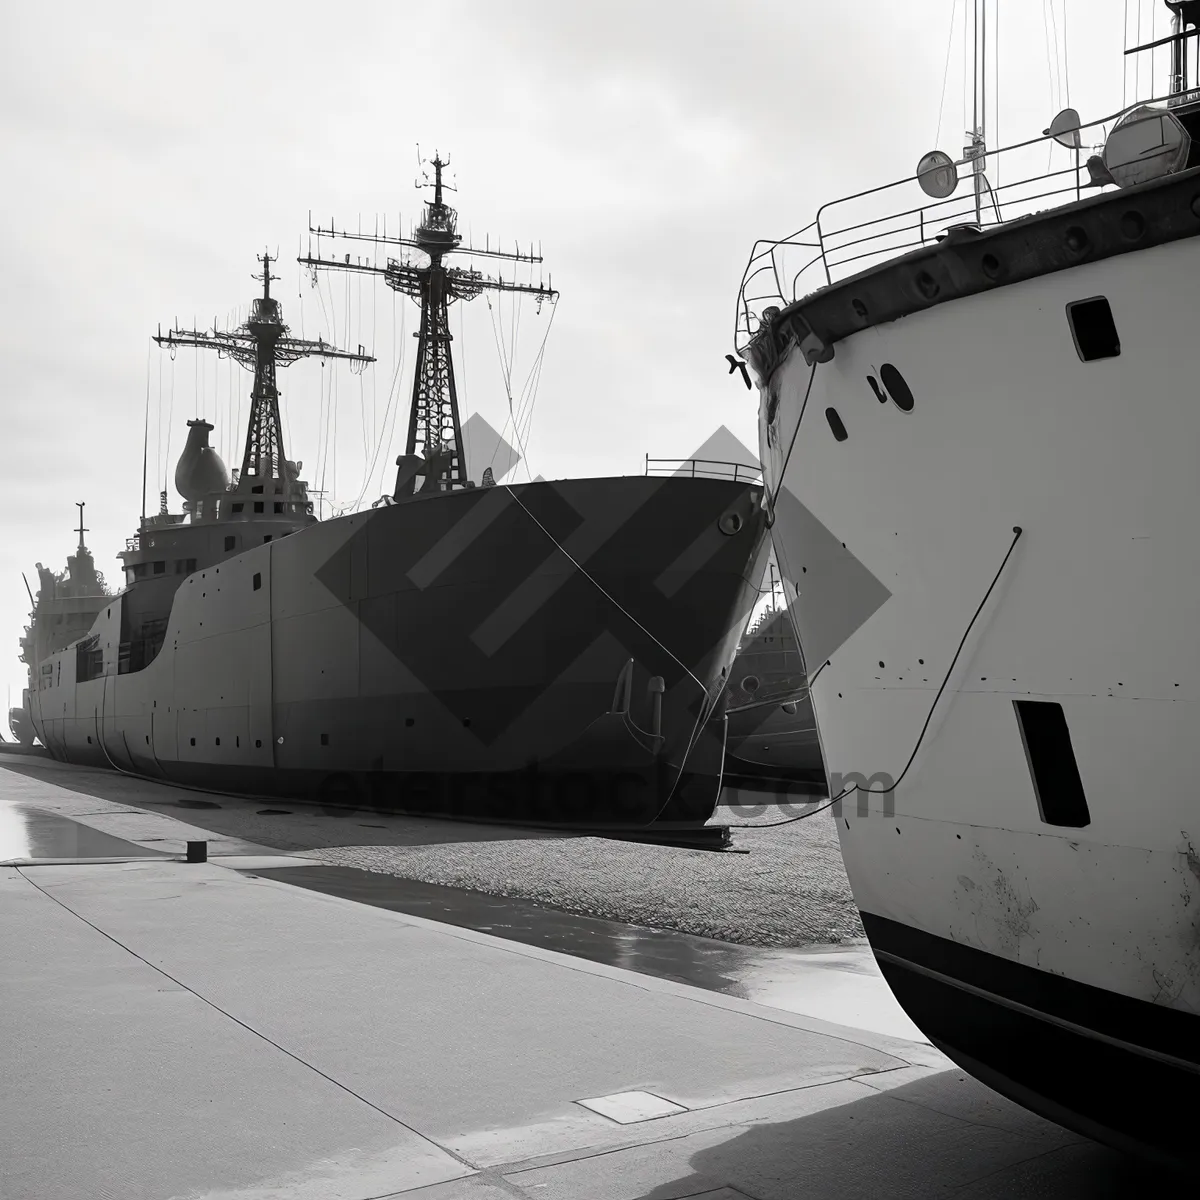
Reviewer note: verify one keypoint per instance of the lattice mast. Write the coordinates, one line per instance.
(434, 425)
(262, 344)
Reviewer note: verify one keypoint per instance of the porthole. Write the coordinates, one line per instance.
(835, 424)
(730, 524)
(897, 387)
(751, 684)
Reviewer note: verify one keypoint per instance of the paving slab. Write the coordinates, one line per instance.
(119, 1081)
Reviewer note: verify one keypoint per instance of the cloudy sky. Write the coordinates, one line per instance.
(152, 150)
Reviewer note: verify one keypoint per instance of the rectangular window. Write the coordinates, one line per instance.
(267, 537)
(238, 507)
(1052, 765)
(278, 506)
(257, 580)
(230, 542)
(191, 565)
(257, 490)
(258, 506)
(160, 568)
(1093, 329)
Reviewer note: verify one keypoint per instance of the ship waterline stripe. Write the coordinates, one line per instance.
(459, 537)
(1036, 1013)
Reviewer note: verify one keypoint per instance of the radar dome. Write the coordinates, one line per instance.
(200, 471)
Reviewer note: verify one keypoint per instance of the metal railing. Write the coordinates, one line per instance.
(704, 468)
(857, 232)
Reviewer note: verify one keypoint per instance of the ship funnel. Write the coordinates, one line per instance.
(200, 471)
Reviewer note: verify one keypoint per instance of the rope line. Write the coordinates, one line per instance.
(1017, 531)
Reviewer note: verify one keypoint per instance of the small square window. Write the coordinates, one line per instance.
(1093, 328)
(278, 506)
(258, 506)
(230, 542)
(279, 491)
(257, 490)
(191, 565)
(267, 537)
(257, 580)
(238, 507)
(160, 568)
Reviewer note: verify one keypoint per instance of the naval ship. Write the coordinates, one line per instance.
(552, 651)
(978, 433)
(64, 610)
(772, 736)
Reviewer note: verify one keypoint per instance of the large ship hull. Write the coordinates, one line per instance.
(1044, 931)
(550, 651)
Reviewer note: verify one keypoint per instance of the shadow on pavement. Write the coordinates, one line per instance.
(946, 1134)
(309, 826)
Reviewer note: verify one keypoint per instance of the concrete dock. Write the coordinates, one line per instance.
(178, 1030)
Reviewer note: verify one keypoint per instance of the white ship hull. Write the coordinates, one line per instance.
(1059, 962)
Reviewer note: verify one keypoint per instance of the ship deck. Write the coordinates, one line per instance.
(206, 1030)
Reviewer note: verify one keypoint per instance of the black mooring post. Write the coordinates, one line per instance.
(197, 852)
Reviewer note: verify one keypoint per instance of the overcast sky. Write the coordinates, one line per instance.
(152, 150)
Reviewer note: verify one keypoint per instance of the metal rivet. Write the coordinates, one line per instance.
(927, 285)
(1077, 239)
(1133, 225)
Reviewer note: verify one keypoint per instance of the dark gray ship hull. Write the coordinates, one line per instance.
(553, 651)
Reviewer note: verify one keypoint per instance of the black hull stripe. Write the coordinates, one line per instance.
(1169, 1035)
(1071, 1026)
(1121, 1088)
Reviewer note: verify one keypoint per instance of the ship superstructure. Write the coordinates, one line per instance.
(434, 458)
(221, 516)
(63, 611)
(978, 436)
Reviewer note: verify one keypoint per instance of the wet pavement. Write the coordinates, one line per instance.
(29, 834)
(835, 983)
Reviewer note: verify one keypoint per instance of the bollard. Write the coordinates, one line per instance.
(197, 852)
